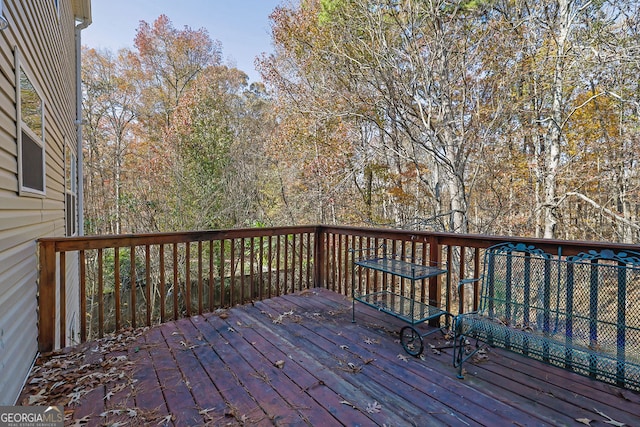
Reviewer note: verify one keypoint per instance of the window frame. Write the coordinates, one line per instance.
(70, 190)
(21, 126)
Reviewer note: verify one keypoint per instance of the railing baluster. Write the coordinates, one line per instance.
(222, 274)
(232, 265)
(187, 278)
(278, 265)
(116, 284)
(462, 276)
(242, 261)
(302, 285)
(211, 278)
(252, 285)
(63, 299)
(293, 263)
(163, 292)
(147, 283)
(261, 268)
(83, 297)
(269, 266)
(132, 282)
(176, 286)
(200, 284)
(100, 293)
(308, 248)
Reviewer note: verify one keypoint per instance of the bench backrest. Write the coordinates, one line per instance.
(602, 303)
(591, 300)
(518, 288)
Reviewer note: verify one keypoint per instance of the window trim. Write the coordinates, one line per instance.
(70, 190)
(23, 190)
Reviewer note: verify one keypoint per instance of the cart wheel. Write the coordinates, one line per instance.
(411, 340)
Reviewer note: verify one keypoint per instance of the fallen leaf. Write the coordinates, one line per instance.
(344, 347)
(403, 357)
(37, 397)
(279, 364)
(166, 420)
(373, 408)
(344, 402)
(609, 419)
(81, 421)
(585, 421)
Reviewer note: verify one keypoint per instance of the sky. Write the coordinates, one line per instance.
(242, 26)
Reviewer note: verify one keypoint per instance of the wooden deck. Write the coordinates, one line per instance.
(299, 360)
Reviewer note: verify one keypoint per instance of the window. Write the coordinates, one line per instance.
(31, 145)
(71, 190)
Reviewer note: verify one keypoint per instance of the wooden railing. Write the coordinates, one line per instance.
(135, 280)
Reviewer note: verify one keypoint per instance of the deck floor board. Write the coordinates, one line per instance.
(299, 360)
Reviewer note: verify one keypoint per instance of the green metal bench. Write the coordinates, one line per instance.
(581, 313)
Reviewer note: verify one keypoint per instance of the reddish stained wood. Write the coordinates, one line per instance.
(176, 283)
(462, 272)
(253, 292)
(63, 300)
(116, 285)
(293, 263)
(200, 283)
(147, 283)
(278, 265)
(100, 293)
(269, 266)
(242, 261)
(478, 272)
(226, 366)
(304, 278)
(132, 283)
(163, 292)
(83, 297)
(221, 266)
(211, 279)
(47, 297)
(187, 279)
(232, 272)
(285, 285)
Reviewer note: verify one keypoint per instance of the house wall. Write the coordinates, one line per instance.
(44, 36)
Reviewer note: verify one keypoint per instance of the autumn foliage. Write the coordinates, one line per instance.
(501, 117)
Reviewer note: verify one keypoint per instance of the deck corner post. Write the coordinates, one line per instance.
(46, 295)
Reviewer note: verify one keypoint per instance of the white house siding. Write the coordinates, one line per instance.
(45, 40)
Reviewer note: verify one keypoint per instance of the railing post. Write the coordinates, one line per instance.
(46, 296)
(318, 256)
(435, 282)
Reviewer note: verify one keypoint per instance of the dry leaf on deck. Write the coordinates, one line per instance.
(609, 419)
(374, 408)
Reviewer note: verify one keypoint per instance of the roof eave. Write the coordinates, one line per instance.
(82, 10)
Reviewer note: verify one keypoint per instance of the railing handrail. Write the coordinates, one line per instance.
(569, 247)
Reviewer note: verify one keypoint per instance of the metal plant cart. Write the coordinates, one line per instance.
(404, 307)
